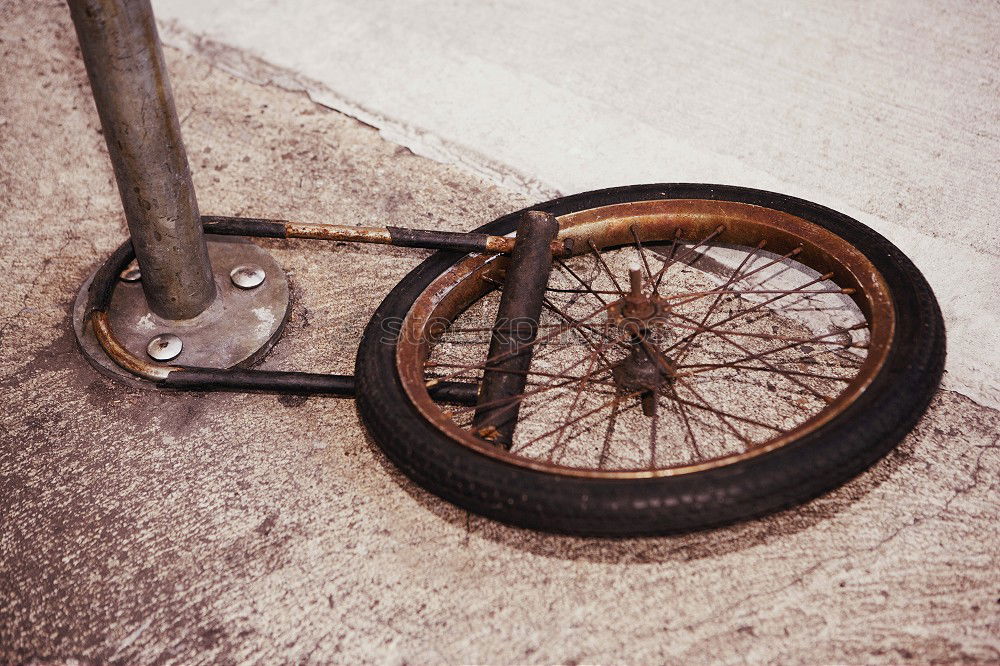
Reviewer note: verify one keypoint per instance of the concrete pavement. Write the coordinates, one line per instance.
(145, 527)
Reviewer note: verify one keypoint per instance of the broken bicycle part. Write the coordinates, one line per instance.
(516, 326)
(792, 348)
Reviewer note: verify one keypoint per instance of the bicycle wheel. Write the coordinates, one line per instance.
(785, 348)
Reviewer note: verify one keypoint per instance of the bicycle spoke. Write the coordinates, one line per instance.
(723, 336)
(604, 265)
(743, 313)
(779, 371)
(600, 407)
(537, 341)
(703, 404)
(711, 309)
(587, 285)
(608, 435)
(769, 336)
(757, 355)
(642, 251)
(576, 399)
(670, 262)
(724, 414)
(548, 305)
(687, 423)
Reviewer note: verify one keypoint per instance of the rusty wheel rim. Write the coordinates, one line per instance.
(663, 239)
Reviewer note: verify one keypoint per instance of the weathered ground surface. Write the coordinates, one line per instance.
(142, 527)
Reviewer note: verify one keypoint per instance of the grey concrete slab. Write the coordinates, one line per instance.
(194, 528)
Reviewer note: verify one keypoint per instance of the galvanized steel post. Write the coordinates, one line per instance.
(124, 61)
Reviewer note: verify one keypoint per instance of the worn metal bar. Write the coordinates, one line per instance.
(515, 329)
(397, 236)
(128, 77)
(303, 383)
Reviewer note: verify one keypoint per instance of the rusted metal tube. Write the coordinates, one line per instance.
(401, 237)
(124, 61)
(398, 236)
(511, 345)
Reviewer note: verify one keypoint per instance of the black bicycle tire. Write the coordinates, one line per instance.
(817, 462)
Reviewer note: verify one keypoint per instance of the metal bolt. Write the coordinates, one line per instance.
(164, 347)
(635, 279)
(131, 274)
(247, 277)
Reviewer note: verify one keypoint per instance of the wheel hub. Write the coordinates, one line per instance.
(637, 312)
(644, 369)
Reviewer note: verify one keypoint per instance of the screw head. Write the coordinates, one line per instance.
(131, 274)
(247, 277)
(164, 347)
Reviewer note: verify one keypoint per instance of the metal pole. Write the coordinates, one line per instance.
(124, 60)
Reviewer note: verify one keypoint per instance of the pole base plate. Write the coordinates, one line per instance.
(236, 330)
